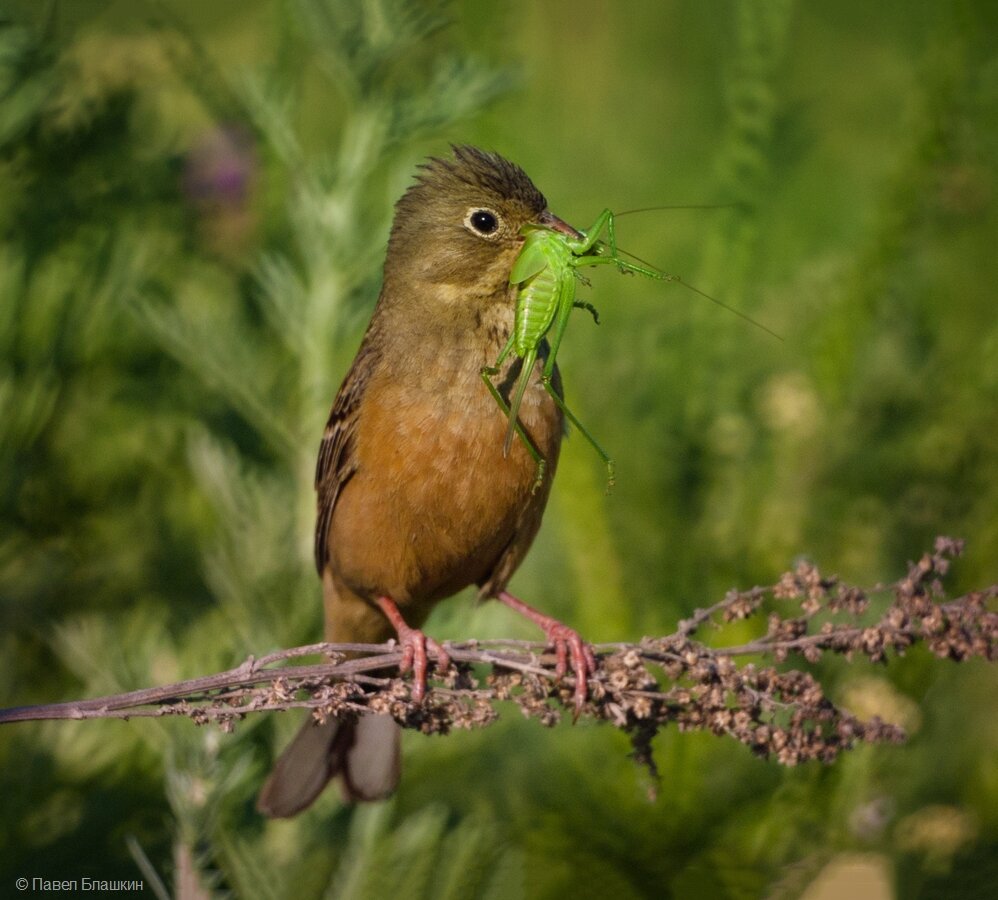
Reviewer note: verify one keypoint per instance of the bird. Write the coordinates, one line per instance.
(416, 498)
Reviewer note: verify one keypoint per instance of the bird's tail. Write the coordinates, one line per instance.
(365, 753)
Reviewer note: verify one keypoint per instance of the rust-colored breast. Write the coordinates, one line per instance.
(434, 505)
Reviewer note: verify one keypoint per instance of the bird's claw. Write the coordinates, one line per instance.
(414, 648)
(568, 645)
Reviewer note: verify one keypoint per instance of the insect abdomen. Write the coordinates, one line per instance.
(535, 309)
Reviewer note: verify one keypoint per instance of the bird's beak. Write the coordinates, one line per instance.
(549, 220)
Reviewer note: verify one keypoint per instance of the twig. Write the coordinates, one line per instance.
(636, 687)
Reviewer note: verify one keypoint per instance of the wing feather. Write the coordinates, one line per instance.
(337, 463)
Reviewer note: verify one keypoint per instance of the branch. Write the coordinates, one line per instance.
(639, 688)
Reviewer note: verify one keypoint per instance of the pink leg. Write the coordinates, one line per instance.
(414, 646)
(565, 640)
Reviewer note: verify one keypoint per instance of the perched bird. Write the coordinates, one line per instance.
(416, 498)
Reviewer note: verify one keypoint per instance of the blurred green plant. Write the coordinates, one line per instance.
(95, 280)
(189, 246)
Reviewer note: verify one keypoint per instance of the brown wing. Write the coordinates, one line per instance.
(336, 461)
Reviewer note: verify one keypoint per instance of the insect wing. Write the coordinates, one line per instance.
(532, 259)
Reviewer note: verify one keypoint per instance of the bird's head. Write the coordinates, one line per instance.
(460, 224)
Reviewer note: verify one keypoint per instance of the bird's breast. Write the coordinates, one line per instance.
(434, 501)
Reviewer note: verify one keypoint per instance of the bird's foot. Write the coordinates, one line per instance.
(416, 648)
(568, 647)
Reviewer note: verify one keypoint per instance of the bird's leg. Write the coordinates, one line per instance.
(414, 646)
(566, 641)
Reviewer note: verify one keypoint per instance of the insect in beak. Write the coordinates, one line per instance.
(549, 220)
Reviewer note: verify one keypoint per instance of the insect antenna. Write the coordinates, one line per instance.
(665, 276)
(601, 247)
(644, 209)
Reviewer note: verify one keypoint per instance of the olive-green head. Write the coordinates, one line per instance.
(460, 223)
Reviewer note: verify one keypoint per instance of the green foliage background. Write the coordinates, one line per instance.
(194, 204)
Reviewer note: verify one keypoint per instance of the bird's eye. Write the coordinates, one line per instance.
(482, 221)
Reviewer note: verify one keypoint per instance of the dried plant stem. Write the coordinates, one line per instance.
(638, 687)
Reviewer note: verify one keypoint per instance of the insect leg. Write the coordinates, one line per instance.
(623, 266)
(582, 256)
(611, 473)
(604, 219)
(611, 239)
(566, 302)
(494, 368)
(593, 311)
(531, 449)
